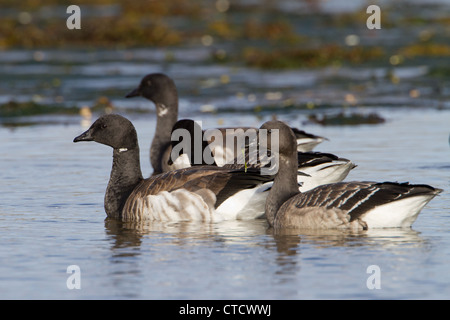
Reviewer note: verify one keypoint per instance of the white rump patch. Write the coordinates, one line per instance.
(307, 144)
(398, 214)
(330, 172)
(247, 204)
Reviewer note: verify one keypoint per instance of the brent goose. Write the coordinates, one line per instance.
(161, 90)
(355, 205)
(315, 168)
(196, 193)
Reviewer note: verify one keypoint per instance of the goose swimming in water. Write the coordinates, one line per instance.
(197, 193)
(354, 205)
(161, 90)
(314, 168)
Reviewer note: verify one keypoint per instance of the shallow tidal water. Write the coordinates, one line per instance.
(52, 217)
(52, 190)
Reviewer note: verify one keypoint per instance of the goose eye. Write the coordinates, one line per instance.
(103, 126)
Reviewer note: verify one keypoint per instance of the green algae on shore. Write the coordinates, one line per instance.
(30, 108)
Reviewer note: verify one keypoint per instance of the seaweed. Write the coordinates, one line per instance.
(342, 118)
(30, 108)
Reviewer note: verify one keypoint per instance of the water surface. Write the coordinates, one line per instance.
(52, 216)
(51, 190)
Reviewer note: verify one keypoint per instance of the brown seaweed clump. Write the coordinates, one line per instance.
(342, 119)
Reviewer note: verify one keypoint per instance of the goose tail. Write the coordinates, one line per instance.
(403, 211)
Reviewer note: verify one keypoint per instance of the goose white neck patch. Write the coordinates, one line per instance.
(162, 110)
(123, 149)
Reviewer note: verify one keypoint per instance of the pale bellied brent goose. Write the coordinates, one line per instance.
(161, 90)
(315, 168)
(354, 205)
(195, 193)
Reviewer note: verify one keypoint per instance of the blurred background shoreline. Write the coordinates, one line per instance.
(225, 56)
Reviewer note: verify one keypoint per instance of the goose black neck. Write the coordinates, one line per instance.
(167, 115)
(125, 176)
(285, 185)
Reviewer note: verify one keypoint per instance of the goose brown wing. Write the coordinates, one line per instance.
(357, 198)
(222, 182)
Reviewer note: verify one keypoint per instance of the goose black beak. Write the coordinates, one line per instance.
(136, 92)
(85, 136)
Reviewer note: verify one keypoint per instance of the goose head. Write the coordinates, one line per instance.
(155, 87)
(280, 138)
(112, 130)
